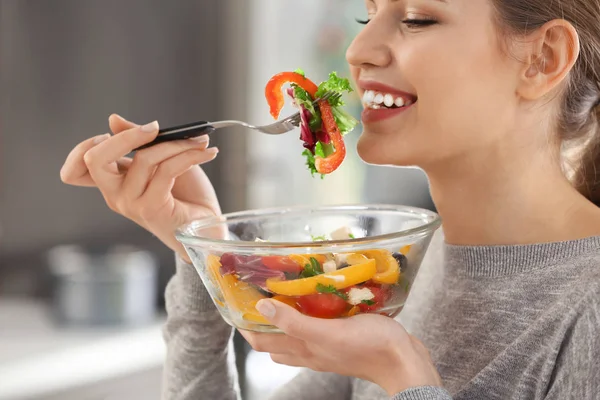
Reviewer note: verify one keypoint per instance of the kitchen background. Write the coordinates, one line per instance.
(65, 65)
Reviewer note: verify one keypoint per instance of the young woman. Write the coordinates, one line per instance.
(505, 121)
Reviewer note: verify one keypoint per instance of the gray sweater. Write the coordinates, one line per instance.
(501, 322)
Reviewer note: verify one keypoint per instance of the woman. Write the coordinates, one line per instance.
(500, 88)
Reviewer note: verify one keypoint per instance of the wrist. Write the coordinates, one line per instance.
(408, 368)
(171, 242)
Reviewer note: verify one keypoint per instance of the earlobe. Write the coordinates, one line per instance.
(551, 52)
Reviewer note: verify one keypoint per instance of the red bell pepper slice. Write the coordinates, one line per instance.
(274, 95)
(330, 163)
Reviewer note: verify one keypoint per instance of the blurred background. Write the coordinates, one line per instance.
(65, 65)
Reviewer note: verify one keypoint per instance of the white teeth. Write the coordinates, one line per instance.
(388, 100)
(376, 100)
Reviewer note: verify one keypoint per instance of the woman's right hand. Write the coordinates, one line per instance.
(160, 189)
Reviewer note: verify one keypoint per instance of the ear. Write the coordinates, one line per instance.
(549, 53)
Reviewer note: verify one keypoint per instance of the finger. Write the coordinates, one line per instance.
(294, 323)
(119, 124)
(159, 188)
(120, 145)
(74, 169)
(87, 181)
(101, 159)
(146, 161)
(275, 343)
(290, 360)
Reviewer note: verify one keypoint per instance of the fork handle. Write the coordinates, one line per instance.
(180, 132)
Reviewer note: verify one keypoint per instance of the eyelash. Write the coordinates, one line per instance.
(412, 23)
(419, 23)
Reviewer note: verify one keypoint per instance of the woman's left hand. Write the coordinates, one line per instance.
(367, 346)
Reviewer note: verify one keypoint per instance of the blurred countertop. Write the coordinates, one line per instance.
(38, 357)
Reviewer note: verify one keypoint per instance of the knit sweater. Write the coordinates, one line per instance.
(500, 322)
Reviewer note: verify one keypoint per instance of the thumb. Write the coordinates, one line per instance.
(291, 321)
(119, 124)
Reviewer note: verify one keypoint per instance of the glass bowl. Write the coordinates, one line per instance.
(327, 262)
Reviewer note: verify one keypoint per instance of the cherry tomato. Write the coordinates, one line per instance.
(279, 263)
(382, 294)
(322, 305)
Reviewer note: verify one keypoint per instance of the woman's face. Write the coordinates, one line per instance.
(444, 59)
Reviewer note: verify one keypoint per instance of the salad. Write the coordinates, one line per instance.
(322, 128)
(331, 285)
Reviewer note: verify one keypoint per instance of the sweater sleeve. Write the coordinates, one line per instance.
(423, 393)
(311, 385)
(199, 362)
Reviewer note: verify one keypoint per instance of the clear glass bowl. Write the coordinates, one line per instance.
(327, 262)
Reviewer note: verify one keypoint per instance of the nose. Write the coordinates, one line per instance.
(370, 48)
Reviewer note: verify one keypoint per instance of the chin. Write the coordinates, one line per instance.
(381, 149)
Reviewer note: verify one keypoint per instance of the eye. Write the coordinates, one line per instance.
(362, 21)
(418, 23)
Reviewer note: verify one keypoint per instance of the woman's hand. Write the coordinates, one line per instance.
(160, 188)
(366, 346)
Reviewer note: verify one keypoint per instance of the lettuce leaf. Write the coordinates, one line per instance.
(310, 162)
(334, 84)
(344, 121)
(303, 98)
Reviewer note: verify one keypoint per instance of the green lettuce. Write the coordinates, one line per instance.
(334, 83)
(303, 98)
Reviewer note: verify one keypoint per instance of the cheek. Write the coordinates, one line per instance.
(462, 88)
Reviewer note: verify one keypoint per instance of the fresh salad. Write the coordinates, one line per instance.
(331, 285)
(322, 127)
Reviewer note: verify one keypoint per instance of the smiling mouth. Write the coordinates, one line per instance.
(378, 100)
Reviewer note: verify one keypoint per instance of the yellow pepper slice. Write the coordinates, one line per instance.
(239, 296)
(388, 270)
(355, 258)
(290, 301)
(353, 311)
(404, 250)
(304, 259)
(352, 275)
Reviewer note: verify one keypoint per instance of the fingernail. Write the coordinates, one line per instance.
(200, 139)
(151, 127)
(266, 308)
(101, 138)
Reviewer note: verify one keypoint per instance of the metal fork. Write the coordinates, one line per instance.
(204, 127)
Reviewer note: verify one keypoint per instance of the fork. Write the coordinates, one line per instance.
(200, 128)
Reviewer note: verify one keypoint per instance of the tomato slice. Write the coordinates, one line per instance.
(274, 93)
(322, 305)
(281, 263)
(382, 294)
